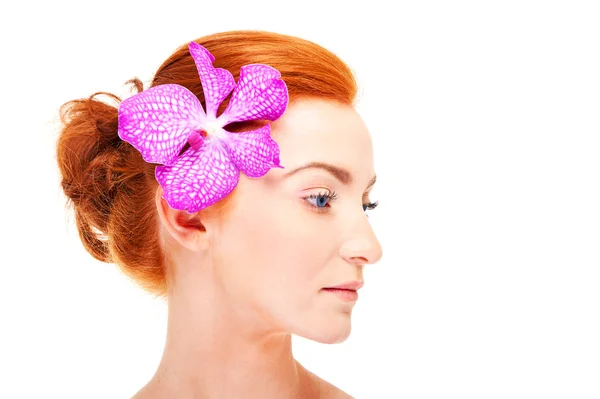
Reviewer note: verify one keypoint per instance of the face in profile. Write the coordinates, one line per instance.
(291, 233)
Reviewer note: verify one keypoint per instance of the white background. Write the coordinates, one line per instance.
(485, 118)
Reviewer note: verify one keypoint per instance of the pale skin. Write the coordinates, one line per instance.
(242, 282)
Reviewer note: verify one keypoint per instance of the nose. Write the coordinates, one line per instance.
(362, 247)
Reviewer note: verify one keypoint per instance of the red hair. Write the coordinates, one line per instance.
(112, 189)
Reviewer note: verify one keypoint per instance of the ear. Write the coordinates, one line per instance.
(186, 229)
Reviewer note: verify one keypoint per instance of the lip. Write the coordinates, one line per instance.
(351, 285)
(346, 291)
(345, 295)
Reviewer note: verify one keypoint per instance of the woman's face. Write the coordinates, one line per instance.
(277, 249)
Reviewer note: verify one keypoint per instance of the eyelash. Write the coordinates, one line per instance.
(332, 197)
(371, 205)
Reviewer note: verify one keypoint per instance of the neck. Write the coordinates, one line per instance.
(219, 349)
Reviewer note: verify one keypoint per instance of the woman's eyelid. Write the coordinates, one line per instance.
(317, 188)
(327, 186)
(326, 191)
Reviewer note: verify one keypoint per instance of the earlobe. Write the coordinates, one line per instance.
(187, 229)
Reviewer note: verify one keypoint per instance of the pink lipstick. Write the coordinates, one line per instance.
(346, 291)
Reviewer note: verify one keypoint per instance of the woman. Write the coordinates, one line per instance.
(273, 253)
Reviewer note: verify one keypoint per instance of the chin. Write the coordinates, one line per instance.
(330, 332)
(336, 339)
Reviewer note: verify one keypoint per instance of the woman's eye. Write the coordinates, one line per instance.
(321, 201)
(370, 205)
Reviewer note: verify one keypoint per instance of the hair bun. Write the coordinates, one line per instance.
(88, 154)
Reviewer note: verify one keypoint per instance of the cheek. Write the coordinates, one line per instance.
(281, 252)
(287, 245)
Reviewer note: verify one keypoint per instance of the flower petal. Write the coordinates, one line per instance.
(259, 94)
(158, 121)
(217, 83)
(254, 152)
(198, 178)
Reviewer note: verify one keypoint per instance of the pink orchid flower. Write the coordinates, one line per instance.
(160, 121)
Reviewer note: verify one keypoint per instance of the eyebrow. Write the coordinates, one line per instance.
(343, 175)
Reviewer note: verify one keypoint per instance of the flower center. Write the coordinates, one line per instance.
(211, 128)
(195, 140)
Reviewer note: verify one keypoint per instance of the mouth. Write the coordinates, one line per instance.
(350, 285)
(344, 294)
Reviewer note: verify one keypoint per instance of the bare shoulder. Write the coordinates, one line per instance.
(330, 391)
(150, 392)
(313, 387)
(324, 389)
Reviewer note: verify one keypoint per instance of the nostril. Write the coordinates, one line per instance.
(359, 260)
(360, 251)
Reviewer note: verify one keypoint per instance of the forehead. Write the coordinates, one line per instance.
(324, 131)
